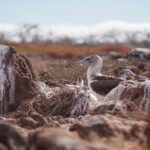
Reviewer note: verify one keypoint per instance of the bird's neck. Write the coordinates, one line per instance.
(92, 70)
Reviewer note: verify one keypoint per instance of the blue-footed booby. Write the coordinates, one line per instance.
(97, 82)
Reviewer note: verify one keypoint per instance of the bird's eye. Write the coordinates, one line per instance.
(88, 60)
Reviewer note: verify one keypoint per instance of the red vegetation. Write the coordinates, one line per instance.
(68, 50)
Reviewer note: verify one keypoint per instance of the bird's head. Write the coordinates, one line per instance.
(92, 60)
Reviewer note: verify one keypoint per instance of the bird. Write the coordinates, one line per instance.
(129, 75)
(98, 83)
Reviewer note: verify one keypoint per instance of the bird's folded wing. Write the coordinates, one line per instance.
(102, 84)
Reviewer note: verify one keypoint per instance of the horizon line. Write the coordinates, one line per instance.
(71, 24)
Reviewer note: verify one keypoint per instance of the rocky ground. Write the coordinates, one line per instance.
(31, 125)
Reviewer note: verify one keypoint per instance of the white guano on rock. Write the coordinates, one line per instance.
(7, 78)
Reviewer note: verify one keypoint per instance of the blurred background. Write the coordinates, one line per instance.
(75, 26)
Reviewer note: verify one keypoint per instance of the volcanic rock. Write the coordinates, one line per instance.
(139, 53)
(117, 70)
(3, 147)
(58, 139)
(17, 79)
(11, 139)
(110, 127)
(137, 92)
(25, 85)
(92, 127)
(109, 106)
(28, 123)
(112, 55)
(147, 133)
(39, 118)
(129, 75)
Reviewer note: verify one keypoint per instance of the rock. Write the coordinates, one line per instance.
(56, 117)
(10, 121)
(136, 92)
(7, 77)
(141, 66)
(2, 118)
(53, 124)
(147, 133)
(49, 119)
(11, 139)
(3, 147)
(110, 128)
(59, 139)
(92, 127)
(62, 121)
(70, 120)
(81, 118)
(67, 120)
(117, 70)
(109, 106)
(39, 118)
(139, 53)
(25, 85)
(129, 75)
(122, 60)
(112, 55)
(28, 122)
(17, 80)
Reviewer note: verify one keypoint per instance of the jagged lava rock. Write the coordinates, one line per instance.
(137, 92)
(59, 139)
(116, 71)
(7, 77)
(17, 80)
(112, 129)
(139, 53)
(25, 85)
(129, 75)
(11, 138)
(112, 55)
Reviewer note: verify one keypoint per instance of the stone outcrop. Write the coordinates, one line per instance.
(112, 55)
(25, 85)
(113, 130)
(17, 79)
(90, 132)
(137, 92)
(116, 71)
(11, 138)
(139, 53)
(58, 139)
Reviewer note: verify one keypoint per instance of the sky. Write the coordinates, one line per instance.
(74, 12)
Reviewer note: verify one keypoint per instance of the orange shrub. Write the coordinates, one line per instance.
(68, 50)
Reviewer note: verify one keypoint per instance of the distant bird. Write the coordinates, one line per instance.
(97, 82)
(129, 75)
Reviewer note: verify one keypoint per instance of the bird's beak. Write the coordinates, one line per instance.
(83, 61)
